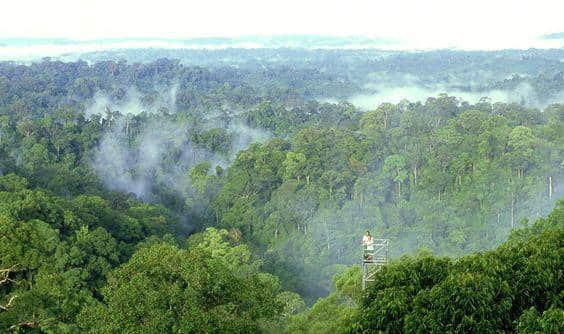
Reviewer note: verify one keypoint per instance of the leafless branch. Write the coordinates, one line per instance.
(5, 278)
(5, 274)
(7, 306)
(33, 324)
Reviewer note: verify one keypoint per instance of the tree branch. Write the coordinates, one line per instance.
(33, 324)
(7, 306)
(5, 278)
(5, 274)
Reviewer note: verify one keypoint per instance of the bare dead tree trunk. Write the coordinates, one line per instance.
(550, 190)
(327, 234)
(512, 212)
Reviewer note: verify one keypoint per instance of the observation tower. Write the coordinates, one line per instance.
(373, 259)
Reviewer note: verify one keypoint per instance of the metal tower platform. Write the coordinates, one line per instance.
(373, 260)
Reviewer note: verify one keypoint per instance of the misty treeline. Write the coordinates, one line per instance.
(161, 197)
(530, 77)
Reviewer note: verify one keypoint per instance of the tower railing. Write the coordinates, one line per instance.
(374, 257)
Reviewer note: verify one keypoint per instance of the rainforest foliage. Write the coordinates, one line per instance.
(516, 288)
(162, 197)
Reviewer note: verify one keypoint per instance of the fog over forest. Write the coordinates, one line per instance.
(132, 167)
(224, 185)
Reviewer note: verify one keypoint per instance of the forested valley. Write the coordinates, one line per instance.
(228, 192)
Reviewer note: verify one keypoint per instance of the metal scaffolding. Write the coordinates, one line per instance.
(374, 257)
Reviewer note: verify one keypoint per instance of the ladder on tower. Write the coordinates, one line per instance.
(373, 260)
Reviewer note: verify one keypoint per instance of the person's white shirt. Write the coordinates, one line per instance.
(368, 242)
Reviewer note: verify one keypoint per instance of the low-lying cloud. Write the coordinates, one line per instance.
(523, 94)
(160, 152)
(134, 103)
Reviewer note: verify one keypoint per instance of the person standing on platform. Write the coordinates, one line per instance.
(368, 245)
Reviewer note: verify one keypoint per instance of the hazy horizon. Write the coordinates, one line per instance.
(63, 26)
(31, 49)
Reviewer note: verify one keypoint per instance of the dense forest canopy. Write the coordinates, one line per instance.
(227, 191)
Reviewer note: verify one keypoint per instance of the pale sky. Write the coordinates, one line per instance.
(472, 24)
